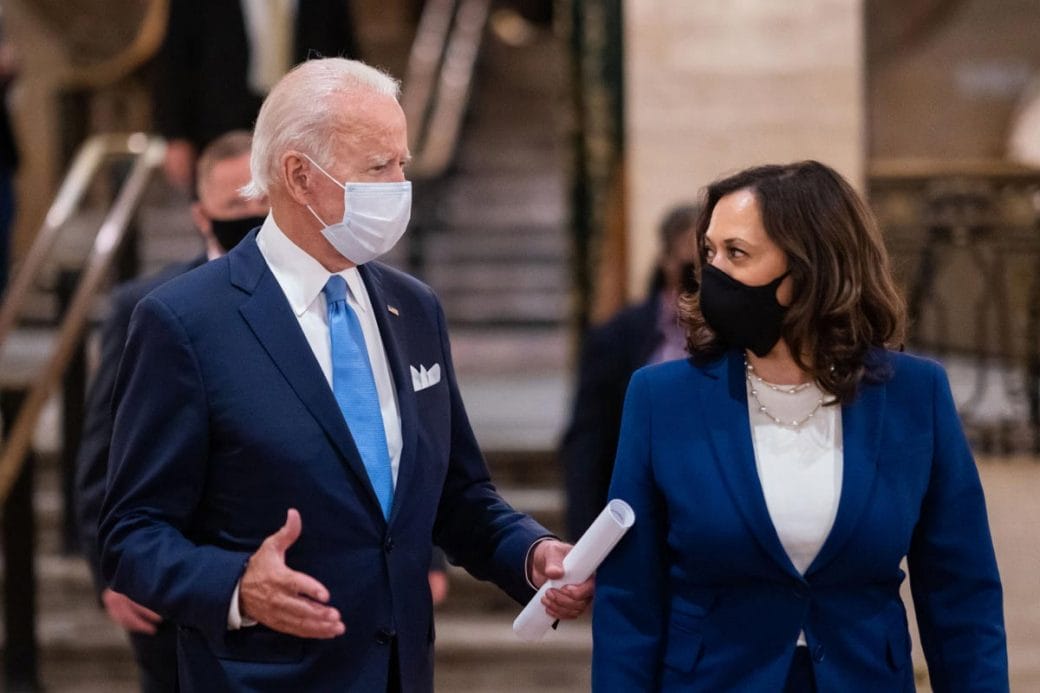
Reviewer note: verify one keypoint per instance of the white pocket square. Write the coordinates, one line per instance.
(422, 378)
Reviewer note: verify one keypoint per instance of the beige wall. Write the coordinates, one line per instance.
(713, 86)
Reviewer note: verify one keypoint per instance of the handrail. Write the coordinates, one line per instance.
(439, 78)
(148, 156)
(424, 63)
(66, 202)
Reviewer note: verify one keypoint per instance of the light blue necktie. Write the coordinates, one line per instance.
(355, 390)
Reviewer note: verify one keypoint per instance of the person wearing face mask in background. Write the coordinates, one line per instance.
(289, 438)
(222, 217)
(781, 474)
(219, 58)
(639, 335)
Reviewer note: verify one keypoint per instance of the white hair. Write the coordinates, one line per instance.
(298, 114)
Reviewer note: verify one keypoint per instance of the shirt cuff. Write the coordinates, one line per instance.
(528, 568)
(235, 620)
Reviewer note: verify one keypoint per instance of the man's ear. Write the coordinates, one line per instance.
(297, 175)
(200, 219)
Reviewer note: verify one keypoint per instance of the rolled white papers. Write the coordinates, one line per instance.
(582, 561)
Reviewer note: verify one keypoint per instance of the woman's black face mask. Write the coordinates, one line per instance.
(744, 317)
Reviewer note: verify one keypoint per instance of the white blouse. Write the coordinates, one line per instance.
(799, 467)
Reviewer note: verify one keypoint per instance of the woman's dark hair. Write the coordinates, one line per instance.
(844, 299)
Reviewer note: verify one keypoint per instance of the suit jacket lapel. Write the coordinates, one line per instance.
(276, 328)
(861, 424)
(391, 330)
(724, 407)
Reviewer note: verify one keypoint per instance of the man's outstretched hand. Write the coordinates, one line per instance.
(547, 564)
(283, 599)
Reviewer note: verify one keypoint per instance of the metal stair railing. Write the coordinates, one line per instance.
(147, 155)
(936, 213)
(439, 79)
(23, 394)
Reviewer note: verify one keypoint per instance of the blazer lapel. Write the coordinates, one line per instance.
(269, 316)
(861, 424)
(391, 330)
(724, 407)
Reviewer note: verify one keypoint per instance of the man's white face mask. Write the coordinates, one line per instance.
(375, 216)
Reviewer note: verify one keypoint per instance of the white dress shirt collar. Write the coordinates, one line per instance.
(301, 276)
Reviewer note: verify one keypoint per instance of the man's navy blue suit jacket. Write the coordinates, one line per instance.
(700, 594)
(225, 420)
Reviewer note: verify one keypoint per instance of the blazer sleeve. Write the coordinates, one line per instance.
(629, 610)
(953, 569)
(92, 458)
(477, 528)
(157, 472)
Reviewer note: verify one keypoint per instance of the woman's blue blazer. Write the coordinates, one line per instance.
(701, 596)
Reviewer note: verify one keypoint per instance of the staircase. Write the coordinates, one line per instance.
(494, 229)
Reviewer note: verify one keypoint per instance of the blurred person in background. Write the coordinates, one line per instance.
(639, 335)
(223, 217)
(221, 57)
(780, 476)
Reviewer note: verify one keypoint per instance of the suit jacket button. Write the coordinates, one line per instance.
(818, 653)
(384, 636)
(388, 545)
(800, 591)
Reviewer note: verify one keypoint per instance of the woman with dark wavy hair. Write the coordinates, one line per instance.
(781, 474)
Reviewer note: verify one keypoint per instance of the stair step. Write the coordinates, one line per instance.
(511, 352)
(502, 206)
(481, 653)
(539, 66)
(518, 276)
(25, 351)
(479, 244)
(520, 468)
(494, 157)
(535, 308)
(460, 636)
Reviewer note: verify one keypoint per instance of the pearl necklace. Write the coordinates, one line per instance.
(797, 423)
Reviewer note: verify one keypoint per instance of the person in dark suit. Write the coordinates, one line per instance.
(289, 437)
(781, 475)
(645, 333)
(220, 57)
(222, 217)
(8, 157)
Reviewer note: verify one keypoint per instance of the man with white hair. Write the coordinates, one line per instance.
(289, 437)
